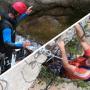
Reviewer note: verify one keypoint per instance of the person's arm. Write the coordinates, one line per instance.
(8, 39)
(23, 16)
(64, 59)
(81, 36)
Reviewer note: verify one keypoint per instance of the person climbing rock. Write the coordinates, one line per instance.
(78, 68)
(8, 22)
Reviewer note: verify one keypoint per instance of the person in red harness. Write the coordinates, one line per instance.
(78, 68)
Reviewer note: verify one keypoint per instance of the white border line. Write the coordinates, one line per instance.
(46, 44)
(60, 34)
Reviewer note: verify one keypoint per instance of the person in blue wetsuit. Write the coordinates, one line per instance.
(16, 13)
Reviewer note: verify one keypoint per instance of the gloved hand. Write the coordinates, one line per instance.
(29, 10)
(26, 44)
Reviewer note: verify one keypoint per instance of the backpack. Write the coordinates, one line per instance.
(55, 66)
(4, 6)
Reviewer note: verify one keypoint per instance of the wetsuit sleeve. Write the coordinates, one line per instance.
(21, 17)
(7, 39)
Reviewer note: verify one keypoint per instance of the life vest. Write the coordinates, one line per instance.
(6, 24)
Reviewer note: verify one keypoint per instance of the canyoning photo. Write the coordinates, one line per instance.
(44, 45)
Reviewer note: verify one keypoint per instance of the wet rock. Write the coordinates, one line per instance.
(44, 28)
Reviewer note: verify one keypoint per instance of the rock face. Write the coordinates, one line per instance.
(63, 86)
(43, 28)
(51, 4)
(52, 15)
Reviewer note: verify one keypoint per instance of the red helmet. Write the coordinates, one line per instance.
(20, 7)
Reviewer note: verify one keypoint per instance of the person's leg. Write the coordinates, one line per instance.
(2, 63)
(81, 36)
(8, 62)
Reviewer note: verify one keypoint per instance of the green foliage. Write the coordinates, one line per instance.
(45, 75)
(74, 47)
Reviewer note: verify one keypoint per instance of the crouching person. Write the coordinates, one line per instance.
(17, 12)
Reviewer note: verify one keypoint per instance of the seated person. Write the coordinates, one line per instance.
(80, 67)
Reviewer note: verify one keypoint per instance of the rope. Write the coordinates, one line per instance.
(83, 30)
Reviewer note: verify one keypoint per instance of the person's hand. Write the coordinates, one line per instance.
(29, 10)
(26, 44)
